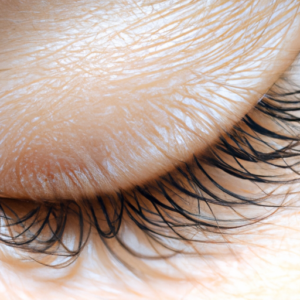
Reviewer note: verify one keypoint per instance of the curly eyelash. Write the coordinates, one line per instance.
(180, 204)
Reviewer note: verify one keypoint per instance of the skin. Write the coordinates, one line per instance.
(101, 95)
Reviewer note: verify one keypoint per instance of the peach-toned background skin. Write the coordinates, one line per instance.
(71, 117)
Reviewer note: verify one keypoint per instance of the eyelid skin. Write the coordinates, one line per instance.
(103, 105)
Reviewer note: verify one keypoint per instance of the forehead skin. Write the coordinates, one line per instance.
(101, 95)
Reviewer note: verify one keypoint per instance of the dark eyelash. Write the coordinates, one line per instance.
(171, 207)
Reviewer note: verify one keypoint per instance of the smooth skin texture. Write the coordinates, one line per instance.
(101, 95)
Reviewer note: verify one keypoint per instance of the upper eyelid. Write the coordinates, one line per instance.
(178, 214)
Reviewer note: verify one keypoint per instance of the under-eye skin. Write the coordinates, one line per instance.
(205, 199)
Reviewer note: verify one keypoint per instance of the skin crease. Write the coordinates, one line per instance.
(56, 61)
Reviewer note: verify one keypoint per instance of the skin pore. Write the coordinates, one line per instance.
(101, 95)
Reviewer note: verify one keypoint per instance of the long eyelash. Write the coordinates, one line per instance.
(172, 207)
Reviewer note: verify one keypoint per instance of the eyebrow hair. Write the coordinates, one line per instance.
(171, 207)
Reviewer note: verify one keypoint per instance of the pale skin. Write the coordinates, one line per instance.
(101, 95)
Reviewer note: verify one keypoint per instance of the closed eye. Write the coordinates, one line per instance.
(199, 201)
(181, 184)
